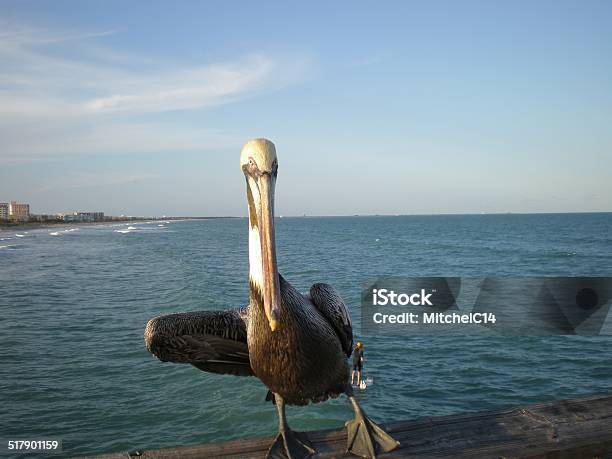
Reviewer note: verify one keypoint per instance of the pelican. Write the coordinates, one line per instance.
(296, 344)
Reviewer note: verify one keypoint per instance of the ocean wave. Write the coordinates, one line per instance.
(55, 233)
(560, 253)
(20, 235)
(123, 231)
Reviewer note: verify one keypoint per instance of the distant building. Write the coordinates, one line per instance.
(93, 216)
(42, 218)
(19, 212)
(4, 210)
(84, 217)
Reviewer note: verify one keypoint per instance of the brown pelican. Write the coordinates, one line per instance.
(297, 345)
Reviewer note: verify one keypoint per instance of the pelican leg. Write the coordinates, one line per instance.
(364, 437)
(288, 444)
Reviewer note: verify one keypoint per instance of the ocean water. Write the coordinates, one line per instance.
(74, 304)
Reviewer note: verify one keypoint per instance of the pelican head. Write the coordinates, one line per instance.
(259, 164)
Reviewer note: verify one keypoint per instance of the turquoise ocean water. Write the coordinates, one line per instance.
(73, 306)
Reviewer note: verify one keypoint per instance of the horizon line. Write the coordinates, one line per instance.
(386, 214)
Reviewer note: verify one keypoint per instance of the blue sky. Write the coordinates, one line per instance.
(394, 107)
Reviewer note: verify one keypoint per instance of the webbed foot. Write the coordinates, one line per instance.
(364, 437)
(290, 445)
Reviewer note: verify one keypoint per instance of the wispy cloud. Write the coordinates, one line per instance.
(371, 59)
(62, 93)
(77, 181)
(66, 137)
(191, 88)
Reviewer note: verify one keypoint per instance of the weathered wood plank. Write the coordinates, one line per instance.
(562, 429)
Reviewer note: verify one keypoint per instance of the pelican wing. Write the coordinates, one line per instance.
(213, 341)
(330, 305)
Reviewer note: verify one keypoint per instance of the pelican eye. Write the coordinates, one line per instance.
(252, 166)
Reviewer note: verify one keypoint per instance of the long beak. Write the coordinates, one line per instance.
(271, 291)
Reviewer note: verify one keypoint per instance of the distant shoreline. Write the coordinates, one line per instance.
(62, 224)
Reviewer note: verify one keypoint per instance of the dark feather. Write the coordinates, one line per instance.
(330, 305)
(213, 341)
